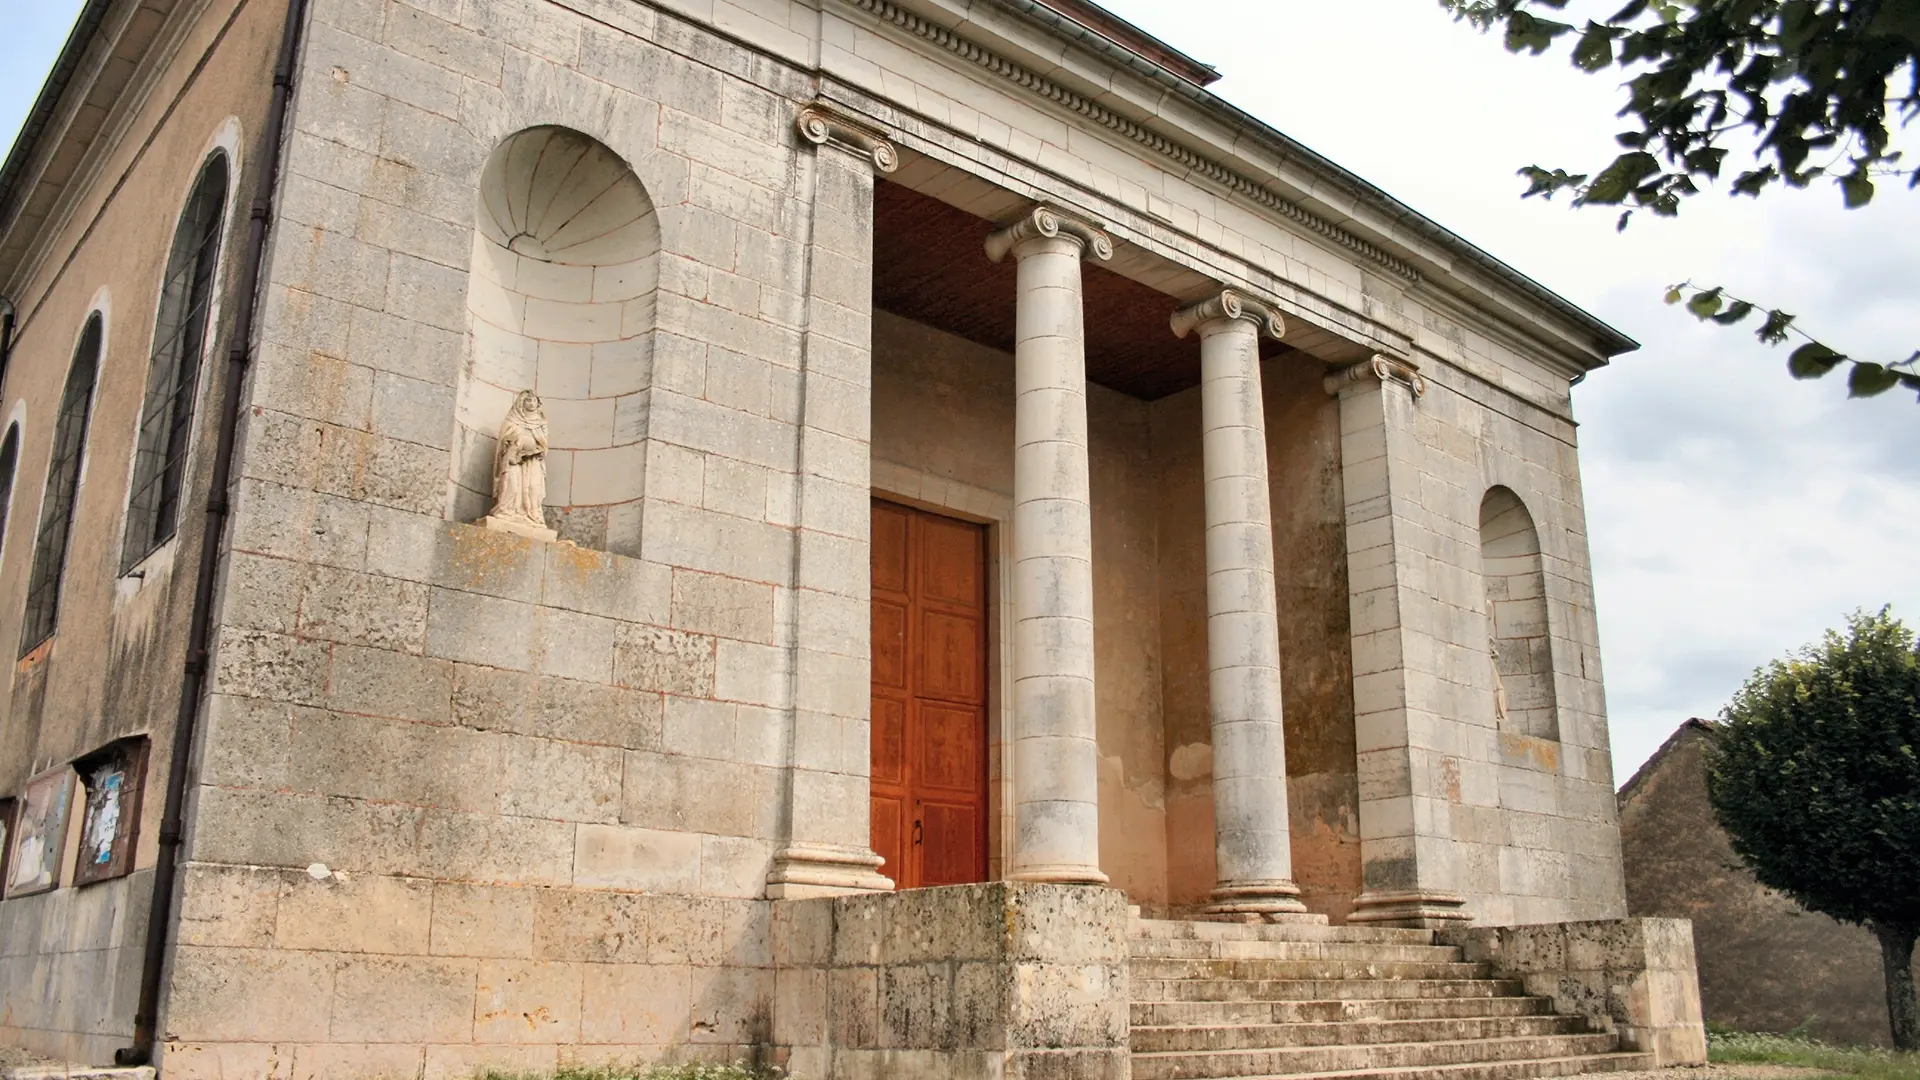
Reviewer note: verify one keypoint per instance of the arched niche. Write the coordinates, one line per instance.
(565, 264)
(1519, 642)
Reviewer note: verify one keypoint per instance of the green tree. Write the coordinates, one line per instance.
(1808, 84)
(1816, 778)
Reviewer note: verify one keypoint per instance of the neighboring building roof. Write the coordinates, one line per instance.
(1079, 21)
(1652, 764)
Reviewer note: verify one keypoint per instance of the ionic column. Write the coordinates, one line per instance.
(827, 849)
(1056, 759)
(1402, 700)
(1253, 852)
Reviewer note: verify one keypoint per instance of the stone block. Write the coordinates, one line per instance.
(523, 1001)
(655, 658)
(616, 857)
(636, 1003)
(493, 700)
(723, 607)
(548, 779)
(382, 682)
(475, 847)
(241, 995)
(354, 913)
(730, 1005)
(246, 742)
(697, 795)
(404, 999)
(484, 920)
(589, 926)
(233, 906)
(340, 1061)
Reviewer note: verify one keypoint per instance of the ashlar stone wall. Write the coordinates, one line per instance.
(466, 797)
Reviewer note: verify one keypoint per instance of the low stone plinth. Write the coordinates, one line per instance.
(1635, 977)
(999, 981)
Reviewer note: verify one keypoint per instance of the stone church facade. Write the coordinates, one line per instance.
(977, 456)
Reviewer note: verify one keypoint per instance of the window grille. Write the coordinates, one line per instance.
(9, 463)
(173, 371)
(63, 487)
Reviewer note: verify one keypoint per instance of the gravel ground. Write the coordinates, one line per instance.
(13, 1055)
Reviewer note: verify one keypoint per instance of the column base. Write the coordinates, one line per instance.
(1260, 901)
(808, 871)
(1415, 910)
(1059, 874)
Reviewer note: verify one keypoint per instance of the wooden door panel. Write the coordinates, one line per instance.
(951, 848)
(929, 734)
(890, 643)
(951, 569)
(949, 751)
(889, 743)
(890, 527)
(890, 827)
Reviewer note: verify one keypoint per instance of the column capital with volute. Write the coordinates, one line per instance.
(823, 125)
(1050, 223)
(1228, 305)
(1381, 369)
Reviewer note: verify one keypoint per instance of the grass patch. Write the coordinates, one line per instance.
(686, 1071)
(1799, 1051)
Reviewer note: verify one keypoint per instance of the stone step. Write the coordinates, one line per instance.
(1154, 967)
(1202, 949)
(1204, 930)
(1283, 1061)
(1491, 1070)
(1319, 989)
(1351, 1033)
(1227, 1013)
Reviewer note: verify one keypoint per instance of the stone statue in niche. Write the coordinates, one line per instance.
(1499, 684)
(520, 471)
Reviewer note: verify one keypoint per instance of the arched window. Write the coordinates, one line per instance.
(9, 464)
(1518, 640)
(173, 373)
(63, 487)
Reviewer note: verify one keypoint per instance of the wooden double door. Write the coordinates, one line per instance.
(929, 697)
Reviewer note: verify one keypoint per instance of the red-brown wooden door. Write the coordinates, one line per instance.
(929, 697)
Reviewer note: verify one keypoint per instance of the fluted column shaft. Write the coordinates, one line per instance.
(1055, 754)
(1252, 845)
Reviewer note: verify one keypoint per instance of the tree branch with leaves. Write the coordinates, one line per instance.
(1810, 84)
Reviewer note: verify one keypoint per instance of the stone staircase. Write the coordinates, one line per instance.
(1222, 999)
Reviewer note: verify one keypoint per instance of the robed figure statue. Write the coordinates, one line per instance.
(520, 470)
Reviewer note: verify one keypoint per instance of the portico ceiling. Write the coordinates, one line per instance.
(931, 266)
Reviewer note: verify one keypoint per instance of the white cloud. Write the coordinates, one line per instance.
(1733, 512)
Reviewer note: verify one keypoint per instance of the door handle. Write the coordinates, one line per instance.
(917, 834)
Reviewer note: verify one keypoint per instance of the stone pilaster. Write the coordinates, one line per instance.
(1252, 845)
(1403, 729)
(828, 849)
(1054, 750)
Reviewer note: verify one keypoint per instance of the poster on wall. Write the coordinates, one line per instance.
(110, 821)
(40, 833)
(6, 839)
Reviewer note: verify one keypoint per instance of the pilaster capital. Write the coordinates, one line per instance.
(1382, 369)
(823, 125)
(1046, 222)
(1227, 305)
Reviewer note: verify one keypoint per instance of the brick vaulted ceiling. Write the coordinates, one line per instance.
(931, 266)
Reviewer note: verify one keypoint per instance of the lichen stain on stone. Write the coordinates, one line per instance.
(480, 554)
(582, 562)
(1525, 750)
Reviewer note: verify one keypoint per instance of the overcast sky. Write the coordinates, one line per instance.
(1733, 512)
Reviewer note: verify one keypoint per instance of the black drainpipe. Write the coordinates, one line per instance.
(6, 341)
(146, 1013)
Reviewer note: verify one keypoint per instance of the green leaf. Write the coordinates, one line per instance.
(1617, 180)
(1868, 380)
(1857, 189)
(1736, 311)
(1595, 48)
(1674, 296)
(1705, 304)
(1812, 360)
